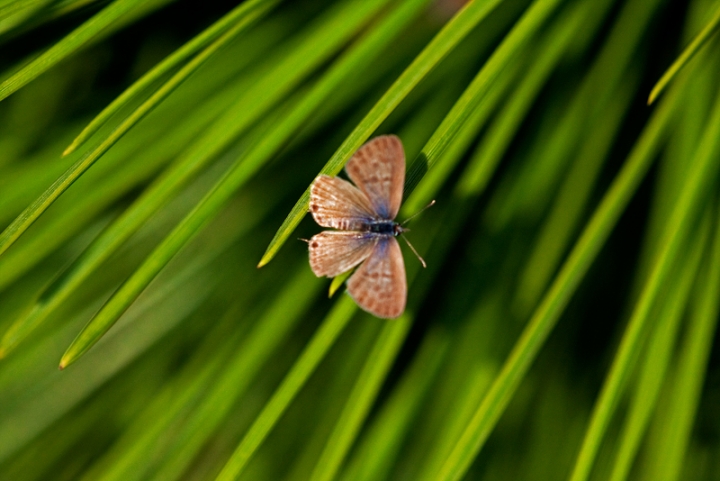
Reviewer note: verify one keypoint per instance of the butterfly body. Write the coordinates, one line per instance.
(364, 217)
(385, 228)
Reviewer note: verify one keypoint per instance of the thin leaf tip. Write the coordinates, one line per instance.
(69, 150)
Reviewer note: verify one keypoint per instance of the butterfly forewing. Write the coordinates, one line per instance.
(337, 203)
(379, 285)
(334, 252)
(378, 170)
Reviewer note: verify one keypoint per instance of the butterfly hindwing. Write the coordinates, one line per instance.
(378, 170)
(379, 285)
(334, 252)
(337, 203)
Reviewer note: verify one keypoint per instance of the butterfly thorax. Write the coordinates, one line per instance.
(385, 227)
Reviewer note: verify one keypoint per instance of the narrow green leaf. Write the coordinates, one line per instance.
(118, 232)
(15, 13)
(659, 353)
(443, 166)
(241, 171)
(478, 380)
(10, 8)
(703, 170)
(532, 192)
(572, 198)
(121, 300)
(20, 185)
(705, 34)
(381, 445)
(231, 25)
(692, 365)
(34, 210)
(528, 25)
(321, 342)
(552, 305)
(68, 45)
(337, 282)
(198, 409)
(339, 378)
(80, 209)
(436, 50)
(275, 325)
(126, 458)
(699, 85)
(360, 400)
(264, 92)
(545, 57)
(175, 299)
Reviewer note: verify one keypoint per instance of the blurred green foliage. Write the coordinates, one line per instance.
(152, 154)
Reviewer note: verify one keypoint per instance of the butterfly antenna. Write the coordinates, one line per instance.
(422, 261)
(417, 214)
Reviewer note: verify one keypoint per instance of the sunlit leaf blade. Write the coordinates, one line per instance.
(361, 398)
(494, 144)
(233, 23)
(172, 303)
(323, 339)
(216, 139)
(337, 283)
(239, 173)
(15, 13)
(659, 353)
(384, 440)
(538, 181)
(16, 262)
(705, 34)
(550, 308)
(78, 38)
(34, 210)
(30, 215)
(173, 403)
(103, 191)
(695, 187)
(257, 348)
(197, 408)
(465, 20)
(571, 201)
(692, 364)
(99, 325)
(523, 31)
(113, 237)
(447, 160)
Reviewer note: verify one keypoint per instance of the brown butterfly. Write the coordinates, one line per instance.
(365, 216)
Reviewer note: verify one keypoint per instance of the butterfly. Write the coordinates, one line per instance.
(364, 215)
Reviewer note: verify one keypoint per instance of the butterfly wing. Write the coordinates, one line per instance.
(334, 252)
(378, 169)
(337, 203)
(379, 285)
